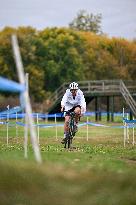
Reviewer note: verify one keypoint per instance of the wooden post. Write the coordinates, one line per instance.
(112, 109)
(130, 115)
(99, 105)
(96, 108)
(108, 108)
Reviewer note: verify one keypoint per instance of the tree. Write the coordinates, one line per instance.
(87, 22)
(7, 68)
(28, 43)
(61, 60)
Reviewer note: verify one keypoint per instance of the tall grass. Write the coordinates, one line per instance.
(97, 170)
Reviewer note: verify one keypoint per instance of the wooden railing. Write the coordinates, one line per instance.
(96, 87)
(128, 97)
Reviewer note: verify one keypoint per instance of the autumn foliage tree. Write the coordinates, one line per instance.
(54, 56)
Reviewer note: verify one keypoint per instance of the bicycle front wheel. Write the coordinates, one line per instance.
(68, 141)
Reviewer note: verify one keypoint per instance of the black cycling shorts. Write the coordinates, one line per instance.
(72, 109)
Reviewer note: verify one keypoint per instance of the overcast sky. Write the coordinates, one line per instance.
(118, 16)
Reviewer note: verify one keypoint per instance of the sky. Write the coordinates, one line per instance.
(118, 16)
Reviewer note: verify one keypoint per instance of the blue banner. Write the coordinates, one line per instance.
(10, 86)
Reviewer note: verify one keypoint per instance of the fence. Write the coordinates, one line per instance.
(18, 120)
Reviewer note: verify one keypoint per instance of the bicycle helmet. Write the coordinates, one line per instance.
(73, 86)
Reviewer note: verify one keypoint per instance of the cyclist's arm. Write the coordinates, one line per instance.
(63, 102)
(62, 108)
(83, 104)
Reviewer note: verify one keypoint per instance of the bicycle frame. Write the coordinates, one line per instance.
(72, 124)
(71, 131)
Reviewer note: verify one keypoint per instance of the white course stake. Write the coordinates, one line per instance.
(125, 133)
(26, 136)
(87, 129)
(26, 127)
(7, 125)
(133, 134)
(56, 127)
(127, 130)
(26, 99)
(16, 128)
(37, 117)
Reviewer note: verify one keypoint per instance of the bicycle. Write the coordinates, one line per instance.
(71, 130)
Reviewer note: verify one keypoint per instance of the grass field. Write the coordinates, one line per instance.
(98, 170)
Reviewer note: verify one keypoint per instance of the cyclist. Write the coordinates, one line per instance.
(72, 101)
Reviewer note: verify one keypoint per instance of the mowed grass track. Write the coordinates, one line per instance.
(95, 171)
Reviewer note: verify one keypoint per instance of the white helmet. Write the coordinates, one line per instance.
(73, 86)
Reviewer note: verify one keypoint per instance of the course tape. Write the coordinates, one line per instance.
(62, 124)
(96, 124)
(129, 121)
(15, 112)
(41, 125)
(11, 112)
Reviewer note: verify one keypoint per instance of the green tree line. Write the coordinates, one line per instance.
(54, 56)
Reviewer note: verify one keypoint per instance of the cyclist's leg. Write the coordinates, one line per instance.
(67, 117)
(66, 129)
(77, 116)
(77, 113)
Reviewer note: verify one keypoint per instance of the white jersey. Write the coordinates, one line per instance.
(68, 101)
